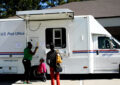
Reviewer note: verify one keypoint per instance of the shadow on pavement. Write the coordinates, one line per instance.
(5, 77)
(10, 79)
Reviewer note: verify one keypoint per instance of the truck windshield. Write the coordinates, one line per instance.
(107, 43)
(115, 43)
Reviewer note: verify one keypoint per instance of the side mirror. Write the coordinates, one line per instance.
(97, 52)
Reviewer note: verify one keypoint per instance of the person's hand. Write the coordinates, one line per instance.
(36, 47)
(38, 72)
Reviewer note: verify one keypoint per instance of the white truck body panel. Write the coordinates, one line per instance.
(12, 44)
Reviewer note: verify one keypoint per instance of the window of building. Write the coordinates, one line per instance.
(56, 36)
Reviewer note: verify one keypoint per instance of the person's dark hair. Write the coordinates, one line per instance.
(42, 59)
(51, 46)
(29, 45)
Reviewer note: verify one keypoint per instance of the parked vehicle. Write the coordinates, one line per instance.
(86, 47)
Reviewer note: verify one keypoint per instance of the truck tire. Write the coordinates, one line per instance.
(119, 68)
(34, 73)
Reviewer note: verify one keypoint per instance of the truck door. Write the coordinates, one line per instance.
(107, 57)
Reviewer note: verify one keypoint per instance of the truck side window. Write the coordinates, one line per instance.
(56, 36)
(104, 43)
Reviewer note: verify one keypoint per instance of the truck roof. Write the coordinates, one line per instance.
(46, 14)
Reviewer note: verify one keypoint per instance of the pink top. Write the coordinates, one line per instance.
(42, 68)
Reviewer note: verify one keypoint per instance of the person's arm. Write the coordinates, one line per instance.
(33, 53)
(48, 59)
(35, 50)
(38, 69)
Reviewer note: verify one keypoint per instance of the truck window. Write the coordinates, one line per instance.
(115, 44)
(104, 43)
(56, 36)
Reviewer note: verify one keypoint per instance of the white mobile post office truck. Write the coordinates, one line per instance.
(86, 47)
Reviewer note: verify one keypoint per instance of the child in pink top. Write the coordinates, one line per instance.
(42, 69)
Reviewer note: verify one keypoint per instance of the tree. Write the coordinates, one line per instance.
(52, 3)
(9, 7)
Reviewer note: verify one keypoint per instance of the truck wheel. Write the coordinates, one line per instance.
(34, 73)
(119, 68)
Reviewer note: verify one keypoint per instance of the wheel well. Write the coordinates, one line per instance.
(34, 71)
(119, 68)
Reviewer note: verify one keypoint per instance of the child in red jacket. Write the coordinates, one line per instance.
(42, 69)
